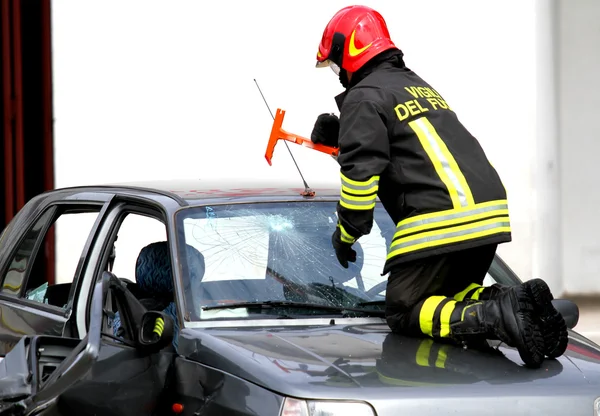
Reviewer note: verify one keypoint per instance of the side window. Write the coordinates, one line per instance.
(17, 270)
(47, 278)
(136, 232)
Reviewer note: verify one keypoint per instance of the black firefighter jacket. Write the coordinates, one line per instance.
(400, 141)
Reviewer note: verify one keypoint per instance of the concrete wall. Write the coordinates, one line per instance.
(579, 110)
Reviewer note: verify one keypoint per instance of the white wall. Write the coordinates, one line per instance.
(579, 109)
(544, 159)
(151, 90)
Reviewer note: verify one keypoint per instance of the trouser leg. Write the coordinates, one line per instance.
(469, 269)
(419, 298)
(408, 288)
(417, 304)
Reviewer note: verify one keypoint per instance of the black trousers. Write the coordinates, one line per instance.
(411, 284)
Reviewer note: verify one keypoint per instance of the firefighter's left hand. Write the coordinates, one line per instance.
(343, 251)
(326, 130)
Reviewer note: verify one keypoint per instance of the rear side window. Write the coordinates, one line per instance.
(46, 261)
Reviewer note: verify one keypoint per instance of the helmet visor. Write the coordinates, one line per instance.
(327, 63)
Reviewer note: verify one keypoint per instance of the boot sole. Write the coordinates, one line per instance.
(553, 325)
(531, 341)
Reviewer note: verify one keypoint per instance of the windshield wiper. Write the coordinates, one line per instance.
(269, 304)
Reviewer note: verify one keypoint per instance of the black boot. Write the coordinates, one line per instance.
(508, 318)
(553, 325)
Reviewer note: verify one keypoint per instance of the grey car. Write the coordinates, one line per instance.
(240, 308)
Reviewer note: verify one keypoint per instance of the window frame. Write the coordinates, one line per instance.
(121, 206)
(57, 208)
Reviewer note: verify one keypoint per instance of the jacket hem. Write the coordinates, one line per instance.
(446, 249)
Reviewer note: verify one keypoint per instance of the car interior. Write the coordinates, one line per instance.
(152, 290)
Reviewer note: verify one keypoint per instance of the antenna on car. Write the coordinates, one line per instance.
(307, 190)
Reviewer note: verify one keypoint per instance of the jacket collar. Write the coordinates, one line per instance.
(339, 99)
(385, 60)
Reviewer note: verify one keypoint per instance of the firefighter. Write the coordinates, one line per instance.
(401, 141)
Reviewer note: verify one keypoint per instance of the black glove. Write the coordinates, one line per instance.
(326, 130)
(343, 251)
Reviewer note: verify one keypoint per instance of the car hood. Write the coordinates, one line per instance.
(367, 361)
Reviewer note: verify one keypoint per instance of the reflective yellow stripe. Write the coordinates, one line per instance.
(359, 195)
(422, 357)
(449, 235)
(440, 362)
(424, 354)
(427, 312)
(475, 295)
(403, 230)
(462, 212)
(370, 186)
(346, 237)
(373, 180)
(451, 217)
(445, 318)
(444, 163)
(359, 199)
(460, 296)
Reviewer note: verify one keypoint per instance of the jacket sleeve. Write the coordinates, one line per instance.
(364, 153)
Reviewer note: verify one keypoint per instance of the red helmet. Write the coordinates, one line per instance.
(354, 35)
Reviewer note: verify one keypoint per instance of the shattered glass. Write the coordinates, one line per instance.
(278, 251)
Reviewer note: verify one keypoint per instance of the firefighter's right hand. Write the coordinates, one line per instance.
(343, 251)
(326, 130)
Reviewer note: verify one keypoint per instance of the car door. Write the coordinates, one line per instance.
(124, 380)
(34, 300)
(35, 373)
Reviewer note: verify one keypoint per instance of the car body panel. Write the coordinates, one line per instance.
(120, 382)
(339, 359)
(18, 320)
(368, 362)
(211, 391)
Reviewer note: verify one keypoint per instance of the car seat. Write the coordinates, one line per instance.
(153, 274)
(154, 278)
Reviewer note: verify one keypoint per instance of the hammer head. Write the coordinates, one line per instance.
(275, 133)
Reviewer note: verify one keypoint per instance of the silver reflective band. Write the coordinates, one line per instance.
(367, 201)
(399, 244)
(371, 186)
(458, 215)
(444, 162)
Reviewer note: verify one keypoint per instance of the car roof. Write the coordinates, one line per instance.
(199, 191)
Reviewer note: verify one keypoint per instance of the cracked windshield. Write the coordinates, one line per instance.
(277, 252)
